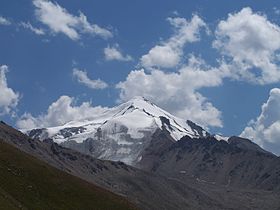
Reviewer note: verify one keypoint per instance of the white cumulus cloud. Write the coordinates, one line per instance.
(60, 112)
(168, 54)
(83, 78)
(251, 44)
(265, 130)
(114, 53)
(59, 20)
(8, 97)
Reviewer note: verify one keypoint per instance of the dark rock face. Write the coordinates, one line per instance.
(237, 163)
(161, 140)
(41, 133)
(67, 132)
(38, 133)
(165, 122)
(197, 128)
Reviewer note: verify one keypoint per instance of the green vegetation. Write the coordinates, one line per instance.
(28, 183)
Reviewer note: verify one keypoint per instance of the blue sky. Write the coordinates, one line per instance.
(214, 62)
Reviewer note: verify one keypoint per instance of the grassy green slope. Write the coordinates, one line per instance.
(28, 183)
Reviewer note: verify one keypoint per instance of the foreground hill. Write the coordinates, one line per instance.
(28, 183)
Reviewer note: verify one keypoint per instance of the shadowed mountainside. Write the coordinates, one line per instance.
(28, 183)
(237, 162)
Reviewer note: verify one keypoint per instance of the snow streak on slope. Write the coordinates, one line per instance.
(220, 137)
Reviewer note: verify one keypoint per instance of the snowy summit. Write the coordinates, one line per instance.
(121, 133)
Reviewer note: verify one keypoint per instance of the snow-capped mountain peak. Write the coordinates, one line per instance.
(120, 133)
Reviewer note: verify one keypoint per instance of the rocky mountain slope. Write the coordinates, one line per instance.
(236, 162)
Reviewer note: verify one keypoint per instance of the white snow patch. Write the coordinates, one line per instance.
(219, 137)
